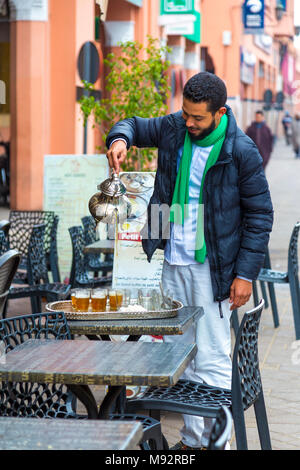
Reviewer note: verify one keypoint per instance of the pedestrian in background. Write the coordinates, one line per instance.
(296, 135)
(287, 127)
(262, 136)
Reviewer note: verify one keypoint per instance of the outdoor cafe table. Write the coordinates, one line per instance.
(136, 327)
(68, 434)
(80, 364)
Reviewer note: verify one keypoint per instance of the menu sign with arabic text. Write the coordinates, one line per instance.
(131, 267)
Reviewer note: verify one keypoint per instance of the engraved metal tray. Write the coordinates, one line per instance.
(66, 307)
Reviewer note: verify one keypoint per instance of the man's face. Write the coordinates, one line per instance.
(199, 121)
(259, 117)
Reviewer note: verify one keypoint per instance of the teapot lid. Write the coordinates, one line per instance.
(112, 186)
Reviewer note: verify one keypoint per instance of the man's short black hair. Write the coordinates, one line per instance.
(259, 111)
(206, 87)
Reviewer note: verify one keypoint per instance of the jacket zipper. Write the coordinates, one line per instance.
(219, 299)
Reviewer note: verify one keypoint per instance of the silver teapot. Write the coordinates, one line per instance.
(110, 205)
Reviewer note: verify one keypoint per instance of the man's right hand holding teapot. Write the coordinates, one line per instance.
(116, 154)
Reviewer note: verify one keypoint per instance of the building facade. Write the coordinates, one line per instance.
(41, 47)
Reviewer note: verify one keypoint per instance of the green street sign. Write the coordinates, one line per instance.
(138, 3)
(196, 36)
(171, 7)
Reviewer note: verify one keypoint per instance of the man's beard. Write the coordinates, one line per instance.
(205, 132)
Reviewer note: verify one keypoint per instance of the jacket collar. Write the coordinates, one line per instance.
(227, 148)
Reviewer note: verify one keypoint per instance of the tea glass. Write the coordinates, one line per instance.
(98, 300)
(115, 299)
(73, 298)
(82, 300)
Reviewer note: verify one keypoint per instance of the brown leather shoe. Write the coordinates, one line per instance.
(181, 446)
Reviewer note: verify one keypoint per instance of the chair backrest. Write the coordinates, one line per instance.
(52, 256)
(37, 265)
(4, 246)
(221, 431)
(89, 229)
(4, 225)
(246, 380)
(293, 251)
(32, 399)
(9, 263)
(21, 224)
(78, 269)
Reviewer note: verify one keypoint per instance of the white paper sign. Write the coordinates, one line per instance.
(69, 182)
(28, 10)
(131, 267)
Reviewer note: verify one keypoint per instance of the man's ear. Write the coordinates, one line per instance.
(222, 111)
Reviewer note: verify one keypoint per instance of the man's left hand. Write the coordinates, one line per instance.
(240, 293)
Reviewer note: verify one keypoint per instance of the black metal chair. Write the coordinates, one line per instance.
(9, 263)
(79, 276)
(271, 289)
(52, 254)
(200, 399)
(4, 247)
(37, 273)
(93, 261)
(4, 225)
(41, 400)
(221, 430)
(19, 233)
(290, 277)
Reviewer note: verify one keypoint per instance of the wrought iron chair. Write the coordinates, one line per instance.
(4, 225)
(291, 277)
(37, 273)
(9, 263)
(271, 289)
(221, 431)
(52, 254)
(4, 247)
(40, 400)
(93, 261)
(19, 233)
(200, 399)
(79, 276)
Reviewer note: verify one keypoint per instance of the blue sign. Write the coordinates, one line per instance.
(254, 16)
(282, 3)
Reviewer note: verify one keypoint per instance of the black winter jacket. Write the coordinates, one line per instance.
(238, 212)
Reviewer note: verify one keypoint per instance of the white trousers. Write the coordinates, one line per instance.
(212, 364)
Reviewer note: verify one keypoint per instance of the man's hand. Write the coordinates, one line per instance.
(240, 293)
(117, 154)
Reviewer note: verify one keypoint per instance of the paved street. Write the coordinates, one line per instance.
(278, 351)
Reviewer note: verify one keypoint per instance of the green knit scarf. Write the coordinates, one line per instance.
(180, 201)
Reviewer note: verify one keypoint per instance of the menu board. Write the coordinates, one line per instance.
(69, 182)
(131, 267)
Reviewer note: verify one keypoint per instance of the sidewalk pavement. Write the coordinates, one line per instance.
(279, 353)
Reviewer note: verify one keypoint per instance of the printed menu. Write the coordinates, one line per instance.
(131, 267)
(69, 182)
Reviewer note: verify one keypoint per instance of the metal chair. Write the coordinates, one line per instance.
(9, 263)
(79, 276)
(290, 277)
(19, 233)
(200, 399)
(267, 265)
(221, 430)
(93, 261)
(37, 273)
(4, 247)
